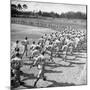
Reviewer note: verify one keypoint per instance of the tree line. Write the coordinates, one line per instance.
(19, 11)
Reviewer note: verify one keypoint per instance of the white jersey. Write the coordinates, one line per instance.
(61, 39)
(57, 41)
(25, 42)
(37, 46)
(77, 39)
(35, 52)
(45, 37)
(39, 59)
(47, 43)
(14, 45)
(49, 37)
(32, 47)
(68, 41)
(16, 59)
(41, 39)
(19, 45)
(60, 35)
(54, 35)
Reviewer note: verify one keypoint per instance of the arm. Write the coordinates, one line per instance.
(34, 63)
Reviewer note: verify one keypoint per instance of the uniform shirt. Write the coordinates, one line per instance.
(68, 41)
(57, 41)
(47, 43)
(41, 41)
(16, 63)
(32, 47)
(17, 46)
(39, 60)
(16, 58)
(45, 37)
(14, 45)
(35, 52)
(49, 37)
(77, 39)
(25, 42)
(38, 47)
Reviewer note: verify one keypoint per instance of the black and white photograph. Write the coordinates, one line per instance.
(48, 45)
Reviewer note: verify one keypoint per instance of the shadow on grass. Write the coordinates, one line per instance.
(59, 65)
(57, 84)
(27, 86)
(31, 76)
(51, 71)
(77, 63)
(28, 76)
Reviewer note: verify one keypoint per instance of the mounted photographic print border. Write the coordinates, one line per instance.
(48, 44)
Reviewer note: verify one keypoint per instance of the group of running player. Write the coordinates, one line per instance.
(54, 44)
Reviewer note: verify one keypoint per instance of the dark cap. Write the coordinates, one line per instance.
(17, 41)
(26, 38)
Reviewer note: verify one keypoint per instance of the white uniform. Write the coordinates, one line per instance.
(32, 47)
(47, 43)
(39, 61)
(56, 41)
(76, 41)
(16, 62)
(16, 58)
(19, 45)
(35, 53)
(25, 42)
(68, 41)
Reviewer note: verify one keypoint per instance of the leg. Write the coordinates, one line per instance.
(40, 74)
(23, 53)
(51, 57)
(65, 54)
(38, 77)
(71, 51)
(36, 82)
(26, 51)
(43, 71)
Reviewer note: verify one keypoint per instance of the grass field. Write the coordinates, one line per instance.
(20, 31)
(72, 72)
(55, 24)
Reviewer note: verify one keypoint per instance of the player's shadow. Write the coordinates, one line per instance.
(71, 64)
(76, 63)
(59, 65)
(51, 71)
(28, 76)
(57, 84)
(27, 86)
(31, 76)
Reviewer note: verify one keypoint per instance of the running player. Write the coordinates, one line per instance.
(25, 43)
(15, 49)
(16, 64)
(40, 62)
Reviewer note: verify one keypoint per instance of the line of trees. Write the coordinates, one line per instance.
(19, 11)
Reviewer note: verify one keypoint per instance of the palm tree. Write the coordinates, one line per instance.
(19, 7)
(13, 10)
(24, 6)
(13, 6)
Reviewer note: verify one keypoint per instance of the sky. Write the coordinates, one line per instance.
(49, 7)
